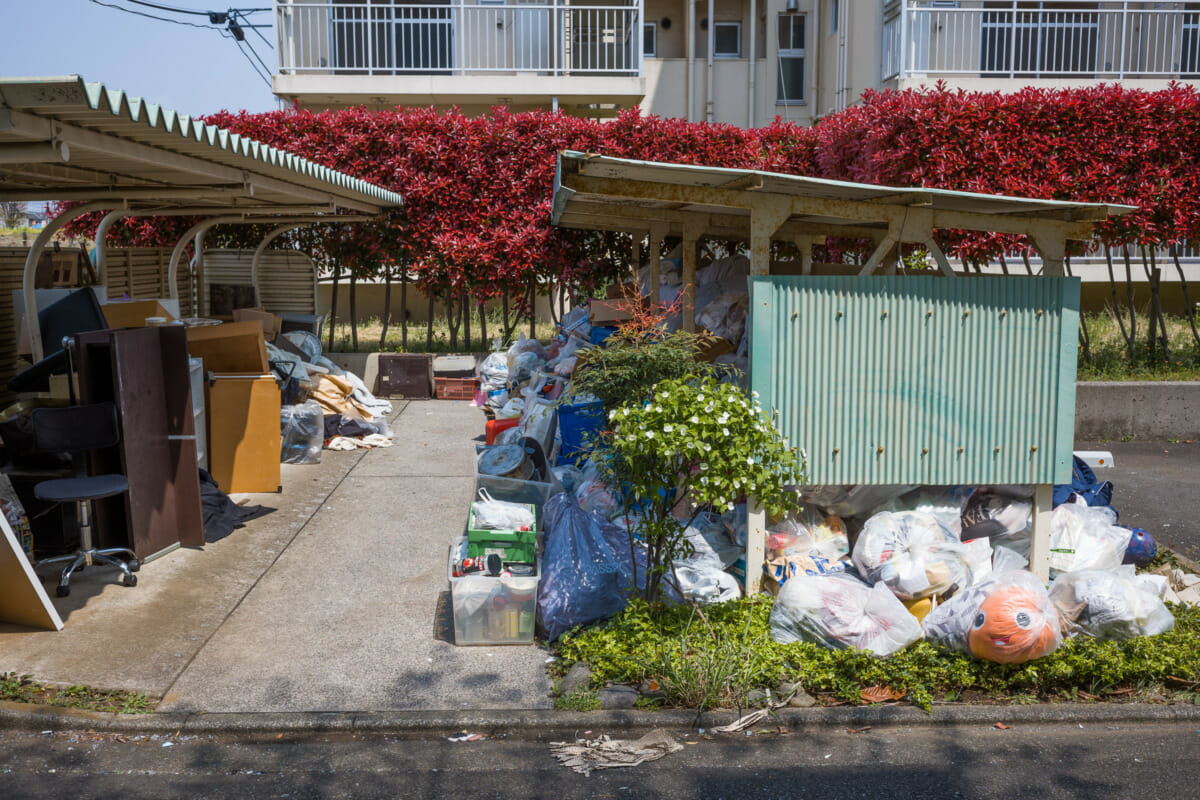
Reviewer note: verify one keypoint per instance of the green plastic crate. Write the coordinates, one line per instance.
(520, 546)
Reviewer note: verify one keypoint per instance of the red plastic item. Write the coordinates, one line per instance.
(494, 426)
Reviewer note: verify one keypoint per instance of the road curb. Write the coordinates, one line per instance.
(546, 724)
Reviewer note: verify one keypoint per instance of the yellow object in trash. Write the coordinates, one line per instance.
(919, 608)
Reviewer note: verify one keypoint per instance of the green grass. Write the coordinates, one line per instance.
(692, 659)
(369, 330)
(580, 700)
(1110, 358)
(22, 689)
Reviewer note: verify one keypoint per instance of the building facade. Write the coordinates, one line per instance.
(742, 62)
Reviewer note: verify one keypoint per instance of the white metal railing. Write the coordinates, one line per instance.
(383, 37)
(1071, 38)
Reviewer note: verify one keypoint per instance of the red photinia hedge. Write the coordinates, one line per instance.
(477, 190)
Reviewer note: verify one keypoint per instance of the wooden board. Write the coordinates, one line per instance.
(23, 601)
(230, 347)
(243, 433)
(184, 478)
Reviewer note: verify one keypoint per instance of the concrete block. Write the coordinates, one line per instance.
(1138, 410)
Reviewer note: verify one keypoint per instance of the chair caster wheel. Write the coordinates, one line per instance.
(135, 565)
(62, 591)
(130, 580)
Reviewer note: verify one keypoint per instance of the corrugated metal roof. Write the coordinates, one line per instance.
(606, 201)
(107, 133)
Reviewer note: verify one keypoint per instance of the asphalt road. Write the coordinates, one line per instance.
(928, 762)
(1156, 486)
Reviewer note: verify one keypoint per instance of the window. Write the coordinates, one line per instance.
(833, 16)
(650, 39)
(728, 40)
(790, 87)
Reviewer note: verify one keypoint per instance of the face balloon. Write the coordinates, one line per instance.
(1012, 626)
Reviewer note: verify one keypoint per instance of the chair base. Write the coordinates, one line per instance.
(121, 558)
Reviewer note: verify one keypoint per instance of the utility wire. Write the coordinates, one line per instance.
(151, 16)
(192, 11)
(254, 66)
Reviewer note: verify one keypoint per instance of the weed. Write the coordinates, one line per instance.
(23, 689)
(1024, 699)
(579, 700)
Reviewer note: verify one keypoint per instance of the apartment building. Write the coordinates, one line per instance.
(743, 62)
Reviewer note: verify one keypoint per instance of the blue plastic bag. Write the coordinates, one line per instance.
(584, 578)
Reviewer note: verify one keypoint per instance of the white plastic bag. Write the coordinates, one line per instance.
(493, 372)
(703, 582)
(840, 611)
(501, 515)
(913, 553)
(1111, 605)
(1085, 537)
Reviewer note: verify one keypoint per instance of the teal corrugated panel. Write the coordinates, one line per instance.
(920, 379)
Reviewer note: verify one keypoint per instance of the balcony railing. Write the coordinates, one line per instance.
(1071, 39)
(382, 37)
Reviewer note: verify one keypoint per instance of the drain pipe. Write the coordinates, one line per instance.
(708, 69)
(691, 55)
(751, 64)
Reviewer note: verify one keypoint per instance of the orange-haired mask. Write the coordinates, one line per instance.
(1012, 626)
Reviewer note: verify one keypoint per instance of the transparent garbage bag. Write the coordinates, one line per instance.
(704, 581)
(913, 553)
(1085, 537)
(1117, 604)
(840, 611)
(301, 433)
(1007, 618)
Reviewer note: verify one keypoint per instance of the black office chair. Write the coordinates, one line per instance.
(76, 430)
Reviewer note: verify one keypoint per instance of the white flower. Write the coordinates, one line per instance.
(667, 428)
(704, 480)
(749, 461)
(612, 414)
(658, 409)
(694, 420)
(708, 409)
(725, 431)
(703, 467)
(754, 395)
(649, 434)
(682, 430)
(707, 447)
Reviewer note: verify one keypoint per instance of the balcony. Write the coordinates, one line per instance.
(1034, 40)
(519, 54)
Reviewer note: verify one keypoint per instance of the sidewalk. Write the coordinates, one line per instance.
(335, 602)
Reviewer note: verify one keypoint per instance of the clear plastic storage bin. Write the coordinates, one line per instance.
(491, 611)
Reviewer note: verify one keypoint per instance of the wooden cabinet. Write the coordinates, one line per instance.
(144, 372)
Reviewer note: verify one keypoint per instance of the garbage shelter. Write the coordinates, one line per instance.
(881, 377)
(185, 392)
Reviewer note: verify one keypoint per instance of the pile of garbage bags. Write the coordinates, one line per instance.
(955, 559)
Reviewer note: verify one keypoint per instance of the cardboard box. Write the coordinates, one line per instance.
(270, 322)
(616, 291)
(133, 313)
(608, 312)
(714, 347)
(231, 347)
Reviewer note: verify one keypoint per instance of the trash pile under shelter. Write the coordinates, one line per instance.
(936, 414)
(124, 401)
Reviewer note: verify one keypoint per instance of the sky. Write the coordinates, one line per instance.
(192, 70)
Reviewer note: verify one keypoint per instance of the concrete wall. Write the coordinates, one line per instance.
(1158, 410)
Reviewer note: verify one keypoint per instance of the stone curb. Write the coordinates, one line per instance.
(544, 724)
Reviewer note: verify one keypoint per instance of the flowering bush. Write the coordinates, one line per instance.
(696, 443)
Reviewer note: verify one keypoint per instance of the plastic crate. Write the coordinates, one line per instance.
(455, 388)
(510, 545)
(577, 424)
(491, 611)
(514, 490)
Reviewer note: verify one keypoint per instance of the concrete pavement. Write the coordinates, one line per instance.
(335, 602)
